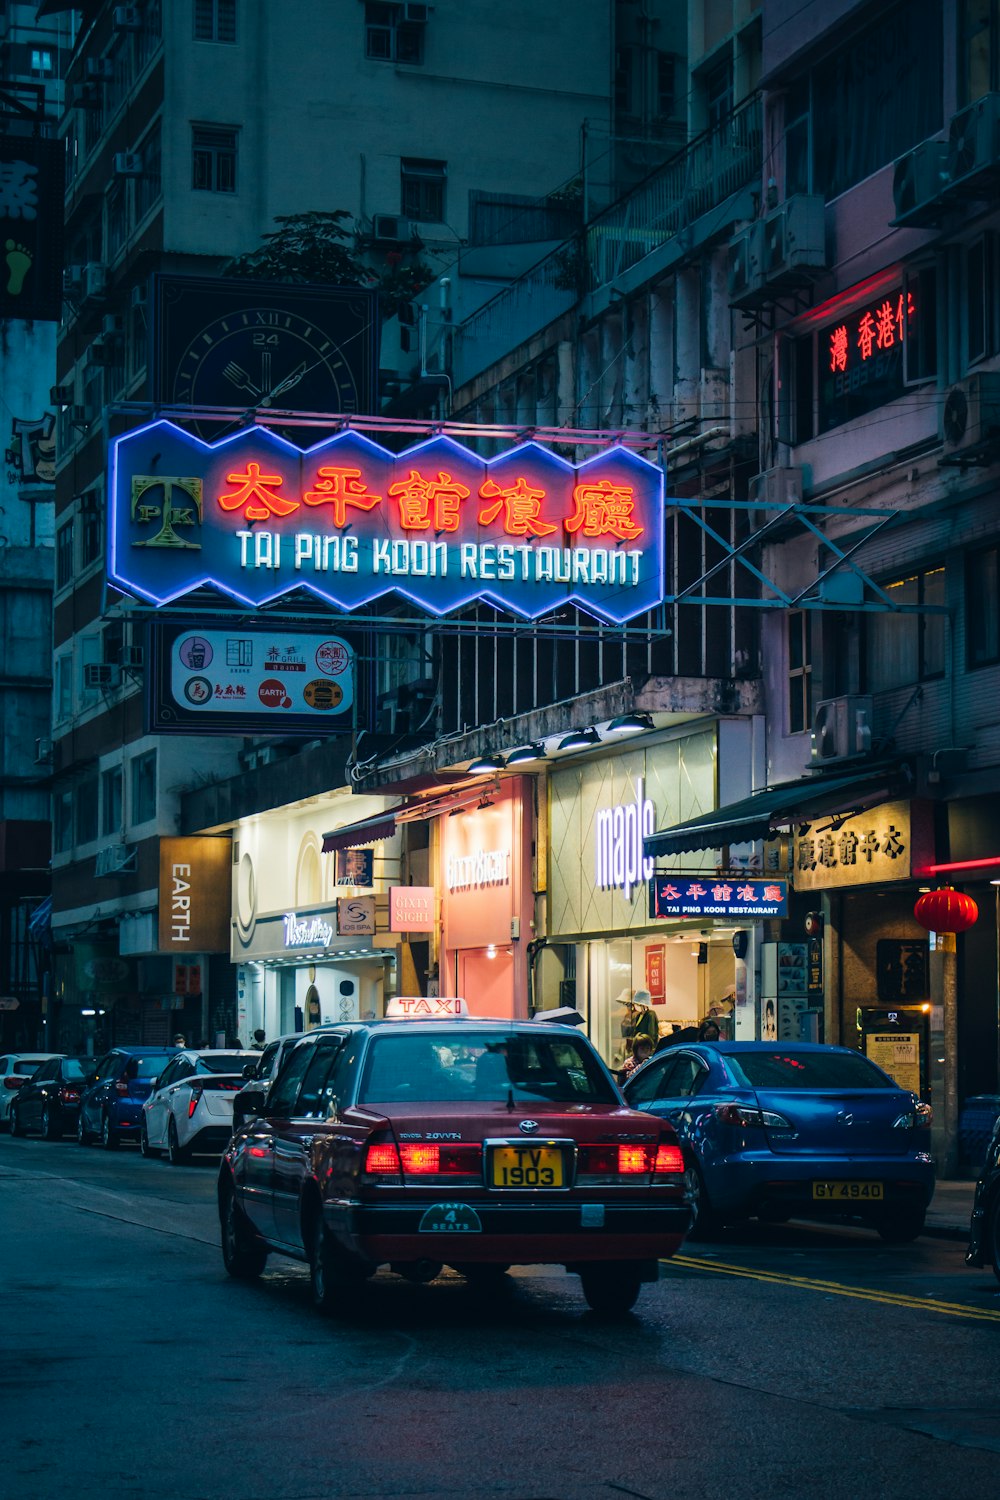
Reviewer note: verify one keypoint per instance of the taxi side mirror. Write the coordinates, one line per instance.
(249, 1069)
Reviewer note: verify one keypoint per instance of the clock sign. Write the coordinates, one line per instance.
(255, 344)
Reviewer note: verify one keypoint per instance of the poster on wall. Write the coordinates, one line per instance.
(32, 173)
(656, 976)
(898, 1054)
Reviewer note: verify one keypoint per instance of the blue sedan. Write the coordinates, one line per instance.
(781, 1130)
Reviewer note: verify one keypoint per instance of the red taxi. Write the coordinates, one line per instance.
(477, 1144)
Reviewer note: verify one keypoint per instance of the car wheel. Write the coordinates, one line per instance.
(243, 1254)
(109, 1135)
(994, 1231)
(704, 1220)
(15, 1121)
(902, 1227)
(610, 1289)
(177, 1155)
(145, 1149)
(50, 1124)
(82, 1133)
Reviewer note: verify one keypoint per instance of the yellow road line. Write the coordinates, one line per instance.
(836, 1288)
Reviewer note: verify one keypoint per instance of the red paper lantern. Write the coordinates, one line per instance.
(946, 910)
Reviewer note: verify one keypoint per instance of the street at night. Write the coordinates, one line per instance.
(779, 1360)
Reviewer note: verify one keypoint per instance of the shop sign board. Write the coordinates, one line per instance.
(670, 896)
(194, 904)
(656, 979)
(307, 932)
(241, 679)
(883, 844)
(619, 864)
(349, 521)
(356, 867)
(356, 915)
(412, 908)
(902, 970)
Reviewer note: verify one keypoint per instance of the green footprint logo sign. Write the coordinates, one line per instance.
(19, 262)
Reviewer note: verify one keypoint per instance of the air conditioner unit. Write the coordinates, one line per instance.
(98, 356)
(127, 164)
(745, 261)
(126, 18)
(390, 229)
(113, 325)
(140, 295)
(416, 15)
(918, 180)
(95, 282)
(404, 709)
(771, 492)
(794, 245)
(60, 395)
(43, 752)
(99, 70)
(73, 278)
(78, 415)
(974, 147)
(114, 859)
(100, 674)
(970, 417)
(841, 729)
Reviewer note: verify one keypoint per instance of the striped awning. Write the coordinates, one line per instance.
(366, 831)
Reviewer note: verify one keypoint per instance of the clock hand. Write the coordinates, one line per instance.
(290, 380)
(240, 378)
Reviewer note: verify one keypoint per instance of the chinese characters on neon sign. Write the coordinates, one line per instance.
(350, 521)
(712, 897)
(862, 357)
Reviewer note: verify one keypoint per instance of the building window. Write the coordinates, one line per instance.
(149, 187)
(717, 91)
(906, 648)
(623, 80)
(41, 62)
(982, 608)
(978, 36)
(393, 34)
(143, 790)
(62, 817)
(213, 158)
(666, 85)
(798, 136)
(86, 811)
(215, 20)
(64, 555)
(111, 802)
(799, 671)
(90, 528)
(422, 190)
(64, 686)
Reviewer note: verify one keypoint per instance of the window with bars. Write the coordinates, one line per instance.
(111, 801)
(213, 158)
(64, 555)
(422, 190)
(215, 20)
(799, 671)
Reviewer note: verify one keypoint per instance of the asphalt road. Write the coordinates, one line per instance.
(790, 1361)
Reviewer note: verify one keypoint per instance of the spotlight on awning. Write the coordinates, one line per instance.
(526, 755)
(486, 765)
(580, 739)
(630, 724)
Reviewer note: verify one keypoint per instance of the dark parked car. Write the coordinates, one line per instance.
(111, 1105)
(782, 1130)
(50, 1100)
(473, 1143)
(984, 1227)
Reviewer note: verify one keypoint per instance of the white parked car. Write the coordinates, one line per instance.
(190, 1109)
(16, 1068)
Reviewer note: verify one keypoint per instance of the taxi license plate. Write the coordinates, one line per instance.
(854, 1192)
(526, 1167)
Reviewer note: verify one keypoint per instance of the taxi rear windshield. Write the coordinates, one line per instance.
(790, 1069)
(484, 1067)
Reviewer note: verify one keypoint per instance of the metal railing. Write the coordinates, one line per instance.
(710, 169)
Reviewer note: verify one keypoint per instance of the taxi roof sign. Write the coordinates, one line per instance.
(424, 1007)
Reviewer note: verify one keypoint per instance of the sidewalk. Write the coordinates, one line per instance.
(950, 1210)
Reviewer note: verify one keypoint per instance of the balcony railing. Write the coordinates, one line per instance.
(710, 169)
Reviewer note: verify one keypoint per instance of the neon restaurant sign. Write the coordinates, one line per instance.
(255, 518)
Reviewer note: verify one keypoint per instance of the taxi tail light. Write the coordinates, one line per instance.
(633, 1159)
(15, 1080)
(194, 1101)
(427, 1160)
(669, 1160)
(382, 1159)
(121, 1086)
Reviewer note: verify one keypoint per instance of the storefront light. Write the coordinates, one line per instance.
(486, 765)
(526, 755)
(630, 724)
(580, 739)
